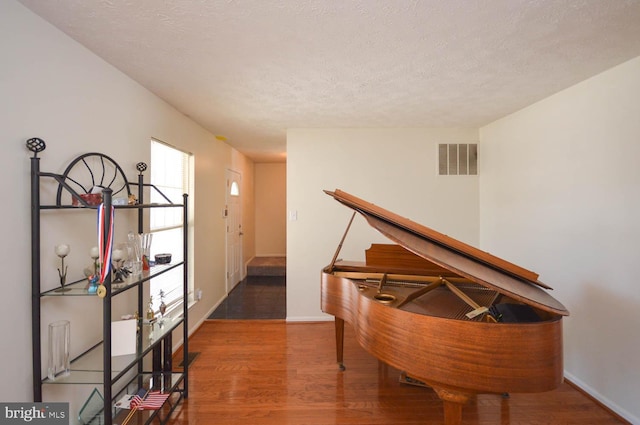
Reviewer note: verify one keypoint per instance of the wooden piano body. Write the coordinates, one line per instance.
(431, 306)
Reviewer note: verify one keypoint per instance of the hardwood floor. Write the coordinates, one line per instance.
(273, 373)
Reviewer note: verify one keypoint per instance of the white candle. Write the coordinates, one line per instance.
(94, 253)
(62, 250)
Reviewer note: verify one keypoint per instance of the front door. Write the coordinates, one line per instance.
(234, 229)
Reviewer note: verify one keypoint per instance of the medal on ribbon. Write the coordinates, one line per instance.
(104, 247)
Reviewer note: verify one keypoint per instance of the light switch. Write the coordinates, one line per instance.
(293, 215)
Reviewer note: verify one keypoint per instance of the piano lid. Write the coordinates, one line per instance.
(465, 260)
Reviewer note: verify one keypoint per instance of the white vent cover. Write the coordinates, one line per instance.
(458, 159)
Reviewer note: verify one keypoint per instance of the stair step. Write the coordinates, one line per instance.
(267, 266)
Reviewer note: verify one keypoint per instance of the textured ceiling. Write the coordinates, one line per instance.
(250, 69)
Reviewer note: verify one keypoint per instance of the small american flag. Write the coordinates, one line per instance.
(152, 400)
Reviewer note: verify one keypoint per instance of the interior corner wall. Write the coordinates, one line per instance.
(559, 195)
(393, 168)
(270, 211)
(54, 88)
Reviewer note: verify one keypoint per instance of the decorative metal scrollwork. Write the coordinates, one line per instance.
(92, 170)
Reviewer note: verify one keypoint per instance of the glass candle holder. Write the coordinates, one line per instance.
(59, 344)
(134, 256)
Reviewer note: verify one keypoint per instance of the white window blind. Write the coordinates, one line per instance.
(170, 173)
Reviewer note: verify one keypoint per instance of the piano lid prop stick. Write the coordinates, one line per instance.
(335, 256)
(420, 292)
(382, 282)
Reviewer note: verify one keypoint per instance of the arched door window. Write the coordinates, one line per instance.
(234, 189)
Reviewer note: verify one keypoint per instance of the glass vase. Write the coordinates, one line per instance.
(59, 344)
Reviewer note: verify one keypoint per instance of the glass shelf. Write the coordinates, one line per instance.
(95, 207)
(87, 368)
(80, 287)
(163, 382)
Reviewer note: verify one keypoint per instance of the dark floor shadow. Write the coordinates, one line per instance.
(255, 297)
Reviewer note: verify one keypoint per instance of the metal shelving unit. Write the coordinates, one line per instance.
(96, 365)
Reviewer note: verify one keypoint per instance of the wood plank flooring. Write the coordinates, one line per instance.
(273, 373)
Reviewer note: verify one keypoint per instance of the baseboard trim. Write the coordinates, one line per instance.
(612, 408)
(309, 319)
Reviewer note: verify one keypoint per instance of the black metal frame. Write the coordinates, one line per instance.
(162, 350)
(96, 180)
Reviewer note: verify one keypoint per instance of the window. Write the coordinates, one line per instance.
(235, 189)
(171, 173)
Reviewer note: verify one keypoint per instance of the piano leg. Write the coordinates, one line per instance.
(339, 324)
(453, 402)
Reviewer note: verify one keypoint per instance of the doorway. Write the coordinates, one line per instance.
(261, 292)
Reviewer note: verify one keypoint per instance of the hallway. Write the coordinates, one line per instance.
(255, 297)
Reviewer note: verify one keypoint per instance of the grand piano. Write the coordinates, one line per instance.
(451, 316)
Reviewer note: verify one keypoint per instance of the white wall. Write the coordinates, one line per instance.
(393, 168)
(559, 195)
(53, 88)
(246, 167)
(271, 203)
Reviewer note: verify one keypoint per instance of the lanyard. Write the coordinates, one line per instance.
(105, 255)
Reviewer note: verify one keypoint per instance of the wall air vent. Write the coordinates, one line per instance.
(458, 159)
